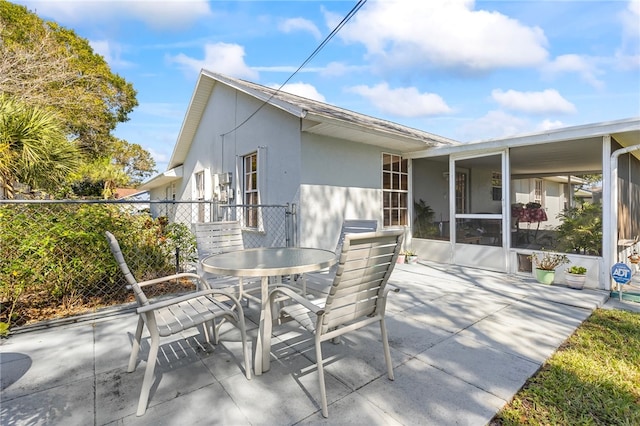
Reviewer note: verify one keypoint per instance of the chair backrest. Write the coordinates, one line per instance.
(355, 226)
(141, 298)
(217, 237)
(366, 262)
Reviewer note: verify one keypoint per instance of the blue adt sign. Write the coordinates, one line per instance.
(621, 273)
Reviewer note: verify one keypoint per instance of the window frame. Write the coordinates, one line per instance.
(496, 186)
(251, 190)
(395, 190)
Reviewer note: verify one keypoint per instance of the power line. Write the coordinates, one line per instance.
(327, 39)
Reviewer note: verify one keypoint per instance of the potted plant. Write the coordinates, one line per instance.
(401, 258)
(575, 276)
(411, 256)
(546, 264)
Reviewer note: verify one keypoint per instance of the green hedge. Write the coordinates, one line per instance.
(53, 254)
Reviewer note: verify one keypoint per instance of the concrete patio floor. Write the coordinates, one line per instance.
(463, 342)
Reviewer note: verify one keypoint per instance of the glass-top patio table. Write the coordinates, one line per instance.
(267, 262)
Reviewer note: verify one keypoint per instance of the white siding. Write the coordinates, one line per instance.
(272, 131)
(340, 180)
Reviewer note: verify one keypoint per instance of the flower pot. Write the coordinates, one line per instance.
(545, 276)
(412, 259)
(400, 258)
(575, 280)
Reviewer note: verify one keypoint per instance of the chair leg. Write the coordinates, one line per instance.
(216, 335)
(148, 374)
(245, 347)
(136, 346)
(323, 391)
(206, 330)
(387, 352)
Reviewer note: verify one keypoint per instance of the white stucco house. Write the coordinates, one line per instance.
(243, 143)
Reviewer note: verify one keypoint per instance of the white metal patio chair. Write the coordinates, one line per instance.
(356, 298)
(318, 283)
(168, 316)
(222, 237)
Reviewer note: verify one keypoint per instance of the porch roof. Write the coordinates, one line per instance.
(572, 150)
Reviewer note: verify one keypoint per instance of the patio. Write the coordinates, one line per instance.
(463, 341)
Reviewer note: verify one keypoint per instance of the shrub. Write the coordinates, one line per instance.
(66, 259)
(581, 229)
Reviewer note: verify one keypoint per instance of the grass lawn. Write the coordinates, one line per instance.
(593, 378)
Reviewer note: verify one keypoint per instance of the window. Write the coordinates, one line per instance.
(170, 195)
(496, 186)
(538, 192)
(199, 189)
(251, 190)
(395, 190)
(461, 192)
(170, 192)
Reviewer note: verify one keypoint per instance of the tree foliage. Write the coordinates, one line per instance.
(34, 149)
(50, 67)
(581, 229)
(134, 160)
(42, 63)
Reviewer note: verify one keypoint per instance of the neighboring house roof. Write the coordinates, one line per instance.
(125, 192)
(318, 118)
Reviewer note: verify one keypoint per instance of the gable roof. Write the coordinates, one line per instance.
(317, 118)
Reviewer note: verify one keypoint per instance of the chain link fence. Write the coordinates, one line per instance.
(55, 261)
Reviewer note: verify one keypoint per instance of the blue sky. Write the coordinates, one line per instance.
(466, 70)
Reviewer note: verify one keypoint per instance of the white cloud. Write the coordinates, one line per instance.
(550, 125)
(447, 34)
(584, 66)
(544, 102)
(111, 52)
(630, 19)
(336, 69)
(402, 102)
(495, 124)
(223, 58)
(299, 24)
(628, 55)
(301, 89)
(157, 14)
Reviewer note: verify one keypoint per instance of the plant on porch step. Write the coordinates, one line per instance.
(575, 276)
(545, 265)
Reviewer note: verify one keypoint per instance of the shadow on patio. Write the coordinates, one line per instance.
(463, 342)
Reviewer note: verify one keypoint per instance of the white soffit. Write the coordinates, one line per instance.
(163, 179)
(199, 101)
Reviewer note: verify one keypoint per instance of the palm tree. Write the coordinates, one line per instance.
(34, 149)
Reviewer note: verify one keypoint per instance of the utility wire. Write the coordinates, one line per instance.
(327, 39)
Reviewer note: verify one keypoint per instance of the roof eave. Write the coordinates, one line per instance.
(162, 179)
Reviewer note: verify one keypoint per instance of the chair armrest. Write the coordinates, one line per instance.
(297, 297)
(179, 299)
(391, 287)
(170, 277)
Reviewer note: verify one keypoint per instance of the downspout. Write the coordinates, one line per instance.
(610, 252)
